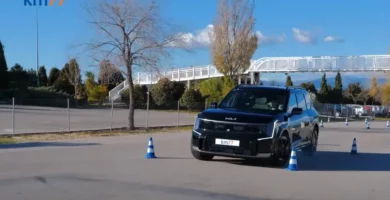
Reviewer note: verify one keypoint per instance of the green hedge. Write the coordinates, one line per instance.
(42, 96)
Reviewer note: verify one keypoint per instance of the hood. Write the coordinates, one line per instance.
(237, 116)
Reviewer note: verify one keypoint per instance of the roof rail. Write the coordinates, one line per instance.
(296, 87)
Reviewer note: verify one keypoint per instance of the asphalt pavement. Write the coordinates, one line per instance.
(29, 119)
(114, 168)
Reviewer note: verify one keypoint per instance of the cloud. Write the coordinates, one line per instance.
(302, 36)
(333, 39)
(269, 40)
(201, 38)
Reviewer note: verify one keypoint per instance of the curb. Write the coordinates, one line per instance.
(94, 130)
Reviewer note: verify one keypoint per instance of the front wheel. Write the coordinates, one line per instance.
(281, 151)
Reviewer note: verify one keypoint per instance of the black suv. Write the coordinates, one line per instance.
(254, 121)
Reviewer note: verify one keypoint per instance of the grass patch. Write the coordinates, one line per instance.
(7, 140)
(37, 137)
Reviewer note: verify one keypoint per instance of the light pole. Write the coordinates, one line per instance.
(36, 16)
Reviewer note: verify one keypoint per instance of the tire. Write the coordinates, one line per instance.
(201, 156)
(281, 151)
(312, 148)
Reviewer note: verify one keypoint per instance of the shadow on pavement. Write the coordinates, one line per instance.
(173, 158)
(44, 144)
(327, 161)
(343, 161)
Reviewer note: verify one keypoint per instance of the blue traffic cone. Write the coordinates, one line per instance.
(150, 151)
(328, 119)
(366, 121)
(293, 163)
(388, 124)
(346, 121)
(321, 124)
(354, 147)
(368, 125)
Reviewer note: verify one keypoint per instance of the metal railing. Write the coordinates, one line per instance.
(269, 65)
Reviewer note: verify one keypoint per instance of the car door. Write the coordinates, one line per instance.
(304, 118)
(294, 124)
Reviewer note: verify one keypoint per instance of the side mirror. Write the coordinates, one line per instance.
(213, 105)
(296, 111)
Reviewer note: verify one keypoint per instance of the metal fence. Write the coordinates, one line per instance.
(351, 110)
(23, 117)
(65, 115)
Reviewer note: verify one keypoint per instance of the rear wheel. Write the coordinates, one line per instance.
(281, 150)
(312, 148)
(201, 156)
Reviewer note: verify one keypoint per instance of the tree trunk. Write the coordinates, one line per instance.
(131, 101)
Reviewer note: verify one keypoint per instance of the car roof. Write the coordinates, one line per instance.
(270, 87)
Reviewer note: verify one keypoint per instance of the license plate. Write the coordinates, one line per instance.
(235, 143)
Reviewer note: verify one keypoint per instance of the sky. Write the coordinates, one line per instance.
(285, 28)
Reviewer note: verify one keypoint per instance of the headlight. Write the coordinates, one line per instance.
(196, 123)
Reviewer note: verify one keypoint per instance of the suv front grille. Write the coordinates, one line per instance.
(233, 127)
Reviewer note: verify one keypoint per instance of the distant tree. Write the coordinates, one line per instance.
(324, 91)
(337, 92)
(18, 77)
(364, 96)
(98, 93)
(273, 83)
(233, 41)
(211, 89)
(90, 81)
(166, 91)
(53, 75)
(288, 81)
(62, 82)
(354, 91)
(32, 78)
(109, 74)
(73, 75)
(43, 81)
(374, 91)
(191, 99)
(140, 96)
(175, 90)
(385, 93)
(309, 86)
(4, 79)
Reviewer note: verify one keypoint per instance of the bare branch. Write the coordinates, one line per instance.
(133, 34)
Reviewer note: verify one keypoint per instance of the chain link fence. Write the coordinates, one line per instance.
(67, 115)
(352, 110)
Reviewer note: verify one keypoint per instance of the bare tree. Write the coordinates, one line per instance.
(72, 74)
(233, 42)
(109, 74)
(354, 91)
(132, 33)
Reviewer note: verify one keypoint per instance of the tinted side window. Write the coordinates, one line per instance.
(308, 100)
(292, 102)
(301, 100)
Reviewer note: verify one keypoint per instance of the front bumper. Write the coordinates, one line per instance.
(250, 145)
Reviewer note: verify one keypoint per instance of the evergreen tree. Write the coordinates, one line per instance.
(324, 89)
(32, 78)
(338, 89)
(53, 75)
(4, 81)
(289, 81)
(43, 81)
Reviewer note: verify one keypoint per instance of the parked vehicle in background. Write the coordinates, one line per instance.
(359, 110)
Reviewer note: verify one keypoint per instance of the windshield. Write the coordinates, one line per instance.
(256, 100)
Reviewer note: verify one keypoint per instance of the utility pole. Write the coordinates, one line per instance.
(36, 16)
